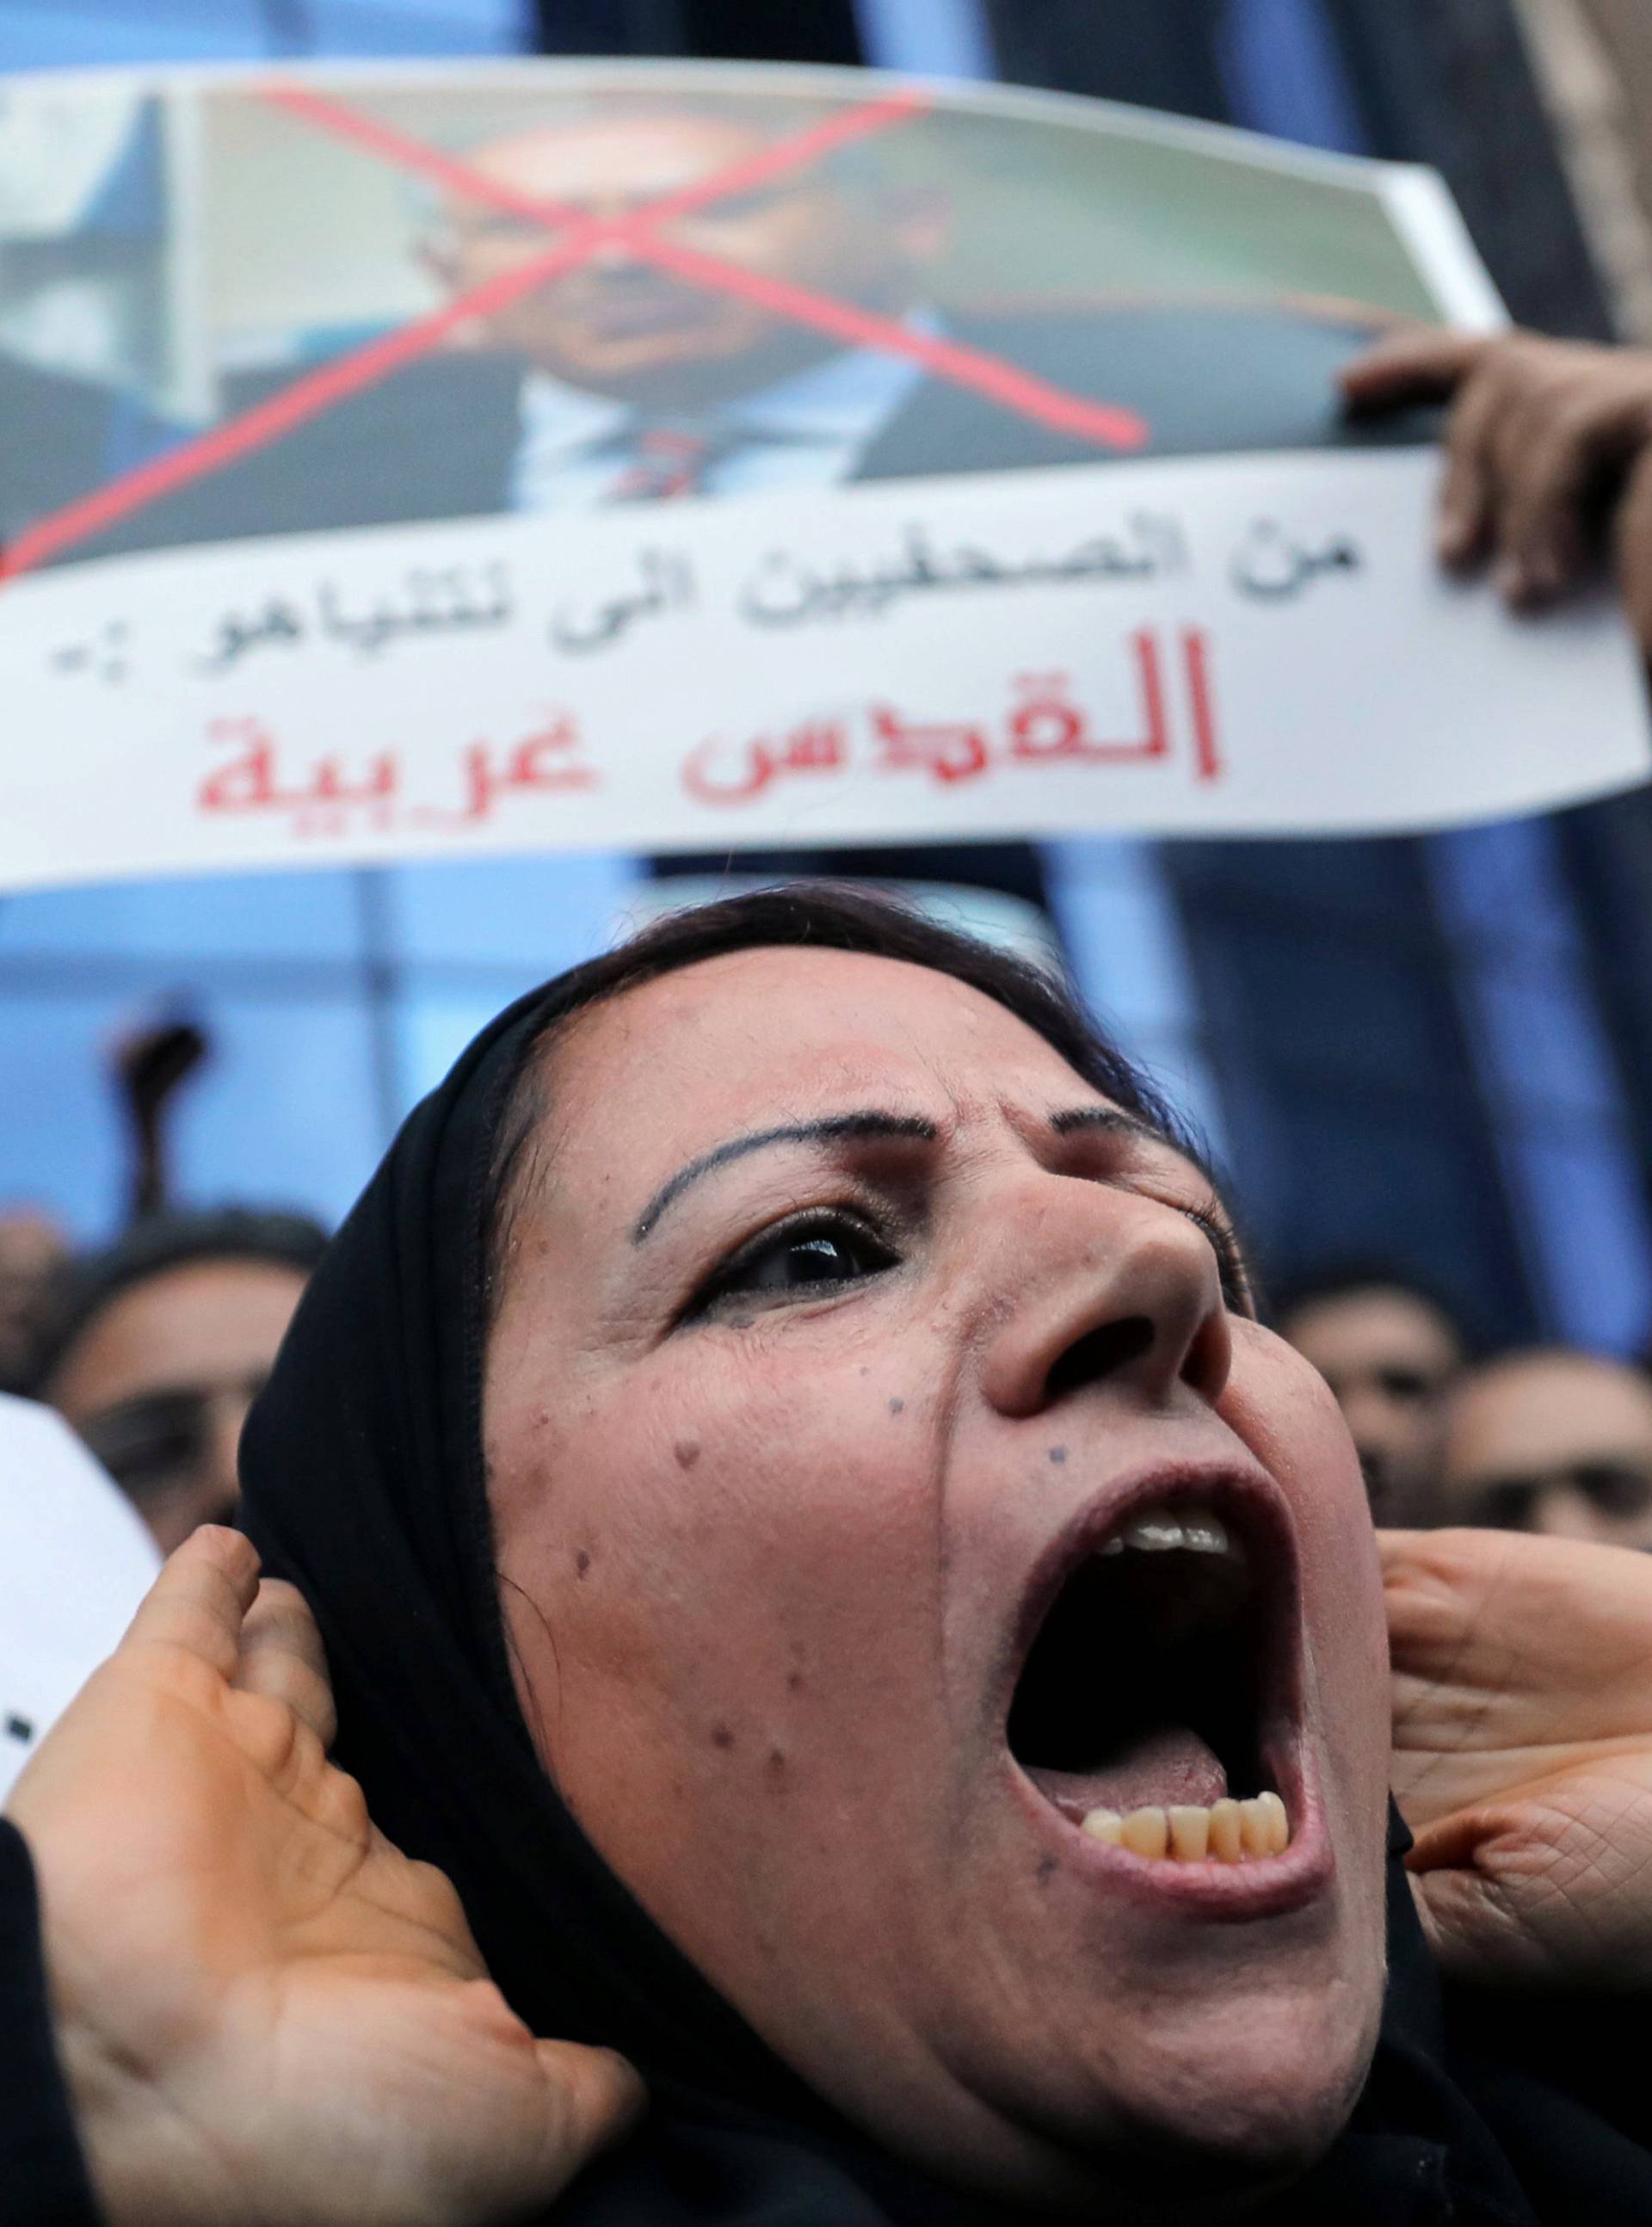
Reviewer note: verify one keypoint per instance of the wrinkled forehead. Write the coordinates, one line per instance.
(1372, 1326)
(1543, 1413)
(195, 1321)
(752, 1039)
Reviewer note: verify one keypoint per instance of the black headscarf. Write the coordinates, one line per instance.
(363, 1483)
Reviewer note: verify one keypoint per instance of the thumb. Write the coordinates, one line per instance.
(199, 1603)
(1471, 1927)
(1471, 1878)
(592, 2097)
(1535, 1889)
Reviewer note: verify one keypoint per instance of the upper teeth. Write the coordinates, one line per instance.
(1190, 1531)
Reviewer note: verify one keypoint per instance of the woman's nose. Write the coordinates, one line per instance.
(1112, 1290)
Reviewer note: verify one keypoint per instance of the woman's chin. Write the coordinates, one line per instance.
(1197, 2129)
(1264, 2123)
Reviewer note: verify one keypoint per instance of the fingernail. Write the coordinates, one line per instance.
(1513, 581)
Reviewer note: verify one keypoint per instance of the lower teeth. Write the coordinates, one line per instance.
(1228, 1832)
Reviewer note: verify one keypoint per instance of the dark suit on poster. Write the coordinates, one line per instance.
(439, 438)
(56, 441)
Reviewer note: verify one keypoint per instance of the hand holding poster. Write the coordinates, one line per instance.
(681, 456)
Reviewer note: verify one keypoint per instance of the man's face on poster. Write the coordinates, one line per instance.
(620, 326)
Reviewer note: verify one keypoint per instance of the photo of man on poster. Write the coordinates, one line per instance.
(624, 380)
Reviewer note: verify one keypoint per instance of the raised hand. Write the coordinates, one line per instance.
(266, 2013)
(1548, 454)
(1522, 1752)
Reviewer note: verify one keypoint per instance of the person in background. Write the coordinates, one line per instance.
(160, 1344)
(32, 1250)
(1390, 1353)
(1552, 1441)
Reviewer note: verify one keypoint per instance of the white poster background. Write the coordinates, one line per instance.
(1199, 646)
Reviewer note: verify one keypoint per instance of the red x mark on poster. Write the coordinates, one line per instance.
(578, 238)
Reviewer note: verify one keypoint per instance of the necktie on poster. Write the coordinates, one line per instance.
(447, 460)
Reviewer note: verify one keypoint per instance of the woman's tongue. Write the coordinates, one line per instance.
(1170, 1763)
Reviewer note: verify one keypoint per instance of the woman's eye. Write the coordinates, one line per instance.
(800, 1257)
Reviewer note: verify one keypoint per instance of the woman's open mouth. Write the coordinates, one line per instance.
(1157, 1706)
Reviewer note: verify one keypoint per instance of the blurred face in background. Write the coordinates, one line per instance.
(622, 326)
(159, 1382)
(32, 1247)
(1558, 1443)
(1390, 1357)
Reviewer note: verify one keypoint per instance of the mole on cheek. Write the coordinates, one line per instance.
(775, 1770)
(581, 1562)
(897, 1406)
(723, 1737)
(1058, 1453)
(688, 1453)
(1047, 1869)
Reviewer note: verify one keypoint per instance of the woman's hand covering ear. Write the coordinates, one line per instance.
(1548, 454)
(1522, 1753)
(265, 2012)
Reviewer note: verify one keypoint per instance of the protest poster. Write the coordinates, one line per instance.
(436, 460)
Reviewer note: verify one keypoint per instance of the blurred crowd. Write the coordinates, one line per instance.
(1544, 1439)
(153, 1346)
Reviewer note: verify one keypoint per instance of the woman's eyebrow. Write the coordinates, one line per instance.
(834, 1128)
(1111, 1119)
